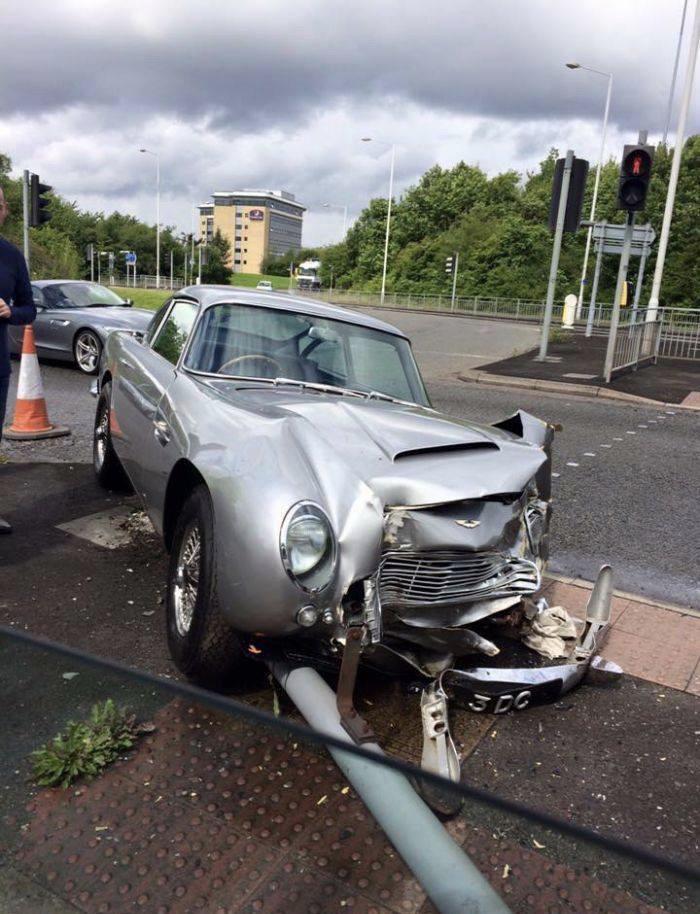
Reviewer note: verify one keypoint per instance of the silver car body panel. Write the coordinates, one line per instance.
(389, 475)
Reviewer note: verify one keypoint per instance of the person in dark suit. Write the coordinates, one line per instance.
(16, 307)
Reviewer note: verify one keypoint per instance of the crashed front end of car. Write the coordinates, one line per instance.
(452, 598)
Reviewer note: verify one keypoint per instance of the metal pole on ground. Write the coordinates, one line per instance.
(25, 216)
(675, 167)
(171, 270)
(449, 877)
(596, 280)
(556, 251)
(621, 277)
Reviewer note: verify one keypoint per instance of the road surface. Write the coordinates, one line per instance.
(627, 488)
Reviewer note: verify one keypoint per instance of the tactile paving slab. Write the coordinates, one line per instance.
(219, 816)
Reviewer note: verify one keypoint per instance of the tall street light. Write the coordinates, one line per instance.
(608, 76)
(675, 166)
(392, 146)
(672, 90)
(345, 213)
(157, 158)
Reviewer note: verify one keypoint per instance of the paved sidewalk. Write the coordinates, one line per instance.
(578, 362)
(657, 643)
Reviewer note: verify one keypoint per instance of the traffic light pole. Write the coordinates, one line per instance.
(25, 216)
(596, 280)
(454, 280)
(556, 251)
(621, 278)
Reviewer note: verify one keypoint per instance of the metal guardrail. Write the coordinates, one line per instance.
(636, 344)
(145, 281)
(678, 334)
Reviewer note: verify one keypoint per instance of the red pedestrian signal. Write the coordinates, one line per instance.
(635, 174)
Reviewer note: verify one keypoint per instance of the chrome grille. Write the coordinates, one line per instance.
(431, 578)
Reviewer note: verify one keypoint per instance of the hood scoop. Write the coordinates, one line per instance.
(429, 450)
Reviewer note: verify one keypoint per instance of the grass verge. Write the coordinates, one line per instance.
(154, 298)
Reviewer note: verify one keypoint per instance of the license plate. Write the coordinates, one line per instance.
(515, 699)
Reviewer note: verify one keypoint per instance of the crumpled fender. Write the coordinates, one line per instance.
(538, 432)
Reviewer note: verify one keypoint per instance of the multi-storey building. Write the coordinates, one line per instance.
(256, 223)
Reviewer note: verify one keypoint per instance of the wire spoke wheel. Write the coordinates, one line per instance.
(101, 437)
(87, 351)
(186, 583)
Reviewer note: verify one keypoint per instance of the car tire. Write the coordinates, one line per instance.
(108, 469)
(203, 645)
(87, 349)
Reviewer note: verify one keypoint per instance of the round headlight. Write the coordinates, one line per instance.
(307, 546)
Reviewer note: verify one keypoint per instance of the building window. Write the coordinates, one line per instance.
(245, 237)
(239, 225)
(237, 260)
(245, 261)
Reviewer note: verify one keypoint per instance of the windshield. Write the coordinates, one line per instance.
(79, 295)
(252, 342)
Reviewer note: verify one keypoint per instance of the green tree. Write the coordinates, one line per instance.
(217, 269)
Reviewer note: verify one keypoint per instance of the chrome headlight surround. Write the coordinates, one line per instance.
(319, 575)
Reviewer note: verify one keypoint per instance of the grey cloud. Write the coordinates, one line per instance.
(272, 61)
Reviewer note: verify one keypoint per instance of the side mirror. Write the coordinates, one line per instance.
(128, 301)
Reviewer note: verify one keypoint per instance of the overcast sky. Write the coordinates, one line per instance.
(266, 93)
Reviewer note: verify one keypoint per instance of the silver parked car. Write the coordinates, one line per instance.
(313, 502)
(74, 319)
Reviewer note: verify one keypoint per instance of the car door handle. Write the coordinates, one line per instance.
(58, 323)
(161, 430)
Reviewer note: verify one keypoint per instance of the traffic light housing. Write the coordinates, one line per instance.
(574, 200)
(38, 202)
(449, 265)
(635, 174)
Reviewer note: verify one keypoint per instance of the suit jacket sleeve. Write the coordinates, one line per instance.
(23, 309)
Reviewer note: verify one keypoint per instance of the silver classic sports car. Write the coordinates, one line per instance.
(314, 503)
(74, 318)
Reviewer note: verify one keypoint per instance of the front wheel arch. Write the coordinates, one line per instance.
(184, 478)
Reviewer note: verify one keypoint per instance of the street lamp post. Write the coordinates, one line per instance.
(652, 310)
(157, 158)
(345, 213)
(392, 146)
(672, 90)
(584, 271)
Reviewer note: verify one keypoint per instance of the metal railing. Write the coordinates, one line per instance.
(144, 281)
(678, 334)
(636, 344)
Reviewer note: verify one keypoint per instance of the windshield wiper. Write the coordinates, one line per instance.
(314, 385)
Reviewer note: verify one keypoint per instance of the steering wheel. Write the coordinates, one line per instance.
(227, 366)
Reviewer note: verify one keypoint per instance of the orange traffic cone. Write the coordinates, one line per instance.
(31, 416)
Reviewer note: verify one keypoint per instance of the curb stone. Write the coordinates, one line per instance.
(563, 387)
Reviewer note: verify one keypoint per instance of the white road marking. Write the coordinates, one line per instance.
(589, 454)
(631, 433)
(670, 412)
(651, 421)
(607, 445)
(570, 463)
(556, 475)
(642, 426)
(618, 439)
